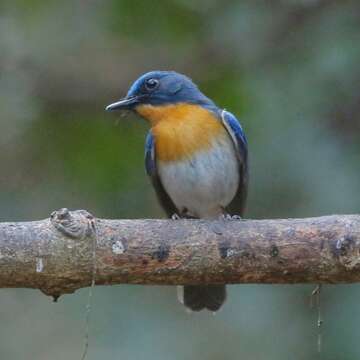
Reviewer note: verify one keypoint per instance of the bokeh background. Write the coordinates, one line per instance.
(289, 69)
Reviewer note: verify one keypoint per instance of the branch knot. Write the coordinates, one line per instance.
(77, 224)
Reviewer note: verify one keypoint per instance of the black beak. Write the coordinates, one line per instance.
(124, 104)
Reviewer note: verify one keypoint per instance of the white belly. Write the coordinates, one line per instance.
(205, 183)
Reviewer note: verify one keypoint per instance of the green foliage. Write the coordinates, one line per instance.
(151, 22)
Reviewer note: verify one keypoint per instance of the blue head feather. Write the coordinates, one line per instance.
(171, 87)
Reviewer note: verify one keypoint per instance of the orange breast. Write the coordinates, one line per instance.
(180, 130)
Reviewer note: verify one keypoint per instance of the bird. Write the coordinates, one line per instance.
(196, 155)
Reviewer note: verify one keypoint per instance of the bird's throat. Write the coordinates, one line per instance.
(180, 130)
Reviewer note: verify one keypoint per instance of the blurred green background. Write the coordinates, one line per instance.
(289, 69)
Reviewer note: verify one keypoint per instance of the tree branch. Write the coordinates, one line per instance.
(56, 255)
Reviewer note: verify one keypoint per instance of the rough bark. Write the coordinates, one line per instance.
(57, 255)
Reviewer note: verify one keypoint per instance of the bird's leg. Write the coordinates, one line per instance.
(180, 216)
(227, 217)
(184, 214)
(224, 217)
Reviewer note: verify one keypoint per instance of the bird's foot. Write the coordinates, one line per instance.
(228, 217)
(175, 217)
(217, 227)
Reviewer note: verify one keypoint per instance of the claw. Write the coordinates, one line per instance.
(228, 217)
(175, 217)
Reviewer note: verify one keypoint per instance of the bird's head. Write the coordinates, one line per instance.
(157, 89)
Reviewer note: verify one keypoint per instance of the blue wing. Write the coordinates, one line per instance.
(151, 170)
(150, 164)
(232, 125)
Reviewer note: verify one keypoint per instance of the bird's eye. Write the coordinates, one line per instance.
(151, 84)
